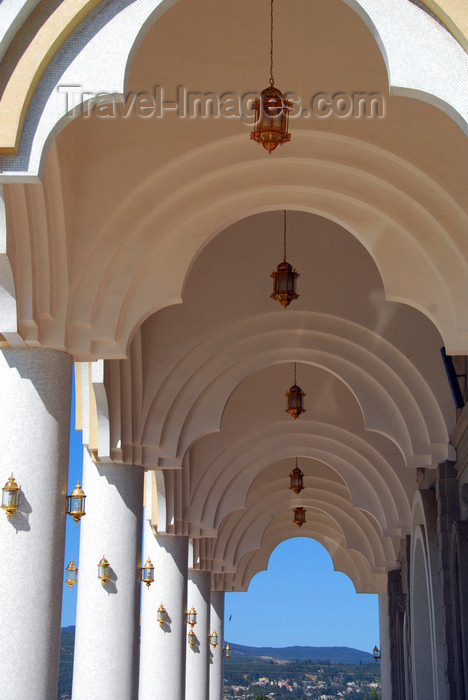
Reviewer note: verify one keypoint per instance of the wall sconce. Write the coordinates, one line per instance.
(191, 617)
(10, 496)
(191, 638)
(296, 479)
(299, 516)
(162, 615)
(295, 397)
(147, 573)
(76, 503)
(71, 576)
(227, 651)
(103, 570)
(284, 277)
(213, 639)
(376, 653)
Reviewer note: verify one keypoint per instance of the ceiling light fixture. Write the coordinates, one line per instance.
(284, 277)
(271, 109)
(295, 397)
(297, 480)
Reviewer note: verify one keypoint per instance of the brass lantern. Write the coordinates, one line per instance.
(71, 576)
(162, 615)
(10, 496)
(147, 573)
(284, 277)
(214, 639)
(299, 516)
(103, 570)
(295, 397)
(76, 503)
(191, 617)
(227, 651)
(376, 653)
(271, 110)
(296, 478)
(191, 638)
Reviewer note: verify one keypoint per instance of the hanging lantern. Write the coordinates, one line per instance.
(296, 479)
(191, 638)
(103, 570)
(147, 573)
(227, 651)
(162, 615)
(376, 653)
(299, 516)
(295, 397)
(71, 577)
(10, 496)
(76, 503)
(214, 639)
(191, 617)
(284, 277)
(271, 110)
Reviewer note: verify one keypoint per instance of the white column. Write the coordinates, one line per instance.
(163, 648)
(35, 390)
(196, 674)
(216, 655)
(106, 643)
(385, 661)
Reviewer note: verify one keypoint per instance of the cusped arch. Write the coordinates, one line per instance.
(368, 191)
(63, 50)
(394, 398)
(375, 485)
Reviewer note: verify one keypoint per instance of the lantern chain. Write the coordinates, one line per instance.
(284, 235)
(272, 81)
(295, 381)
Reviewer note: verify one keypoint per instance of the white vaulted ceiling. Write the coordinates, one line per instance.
(149, 244)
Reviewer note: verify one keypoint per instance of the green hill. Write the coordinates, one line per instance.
(335, 655)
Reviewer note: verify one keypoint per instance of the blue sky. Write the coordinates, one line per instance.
(299, 600)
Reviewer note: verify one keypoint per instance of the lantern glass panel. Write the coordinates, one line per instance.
(103, 570)
(10, 497)
(76, 504)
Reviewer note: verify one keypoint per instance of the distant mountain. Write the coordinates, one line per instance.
(335, 655)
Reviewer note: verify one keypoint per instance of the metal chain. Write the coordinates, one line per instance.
(272, 81)
(284, 235)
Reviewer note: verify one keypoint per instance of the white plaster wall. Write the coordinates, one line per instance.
(35, 389)
(385, 661)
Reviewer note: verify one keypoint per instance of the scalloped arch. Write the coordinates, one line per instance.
(56, 52)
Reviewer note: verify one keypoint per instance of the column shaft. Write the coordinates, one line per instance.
(216, 655)
(34, 433)
(163, 648)
(106, 643)
(196, 675)
(385, 660)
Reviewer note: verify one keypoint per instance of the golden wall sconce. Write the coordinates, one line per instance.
(162, 615)
(10, 496)
(147, 573)
(103, 570)
(76, 503)
(191, 638)
(71, 577)
(213, 639)
(227, 651)
(191, 617)
(376, 653)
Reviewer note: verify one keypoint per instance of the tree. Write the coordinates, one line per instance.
(262, 696)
